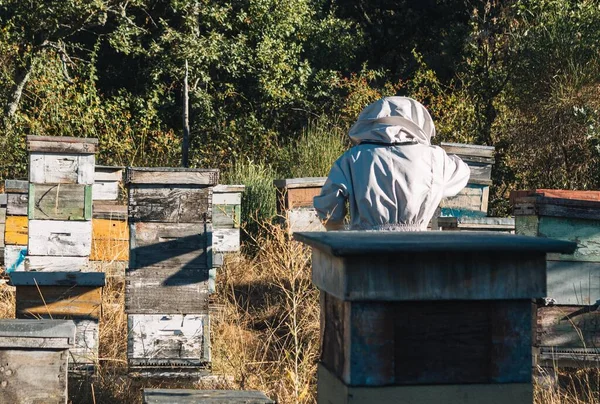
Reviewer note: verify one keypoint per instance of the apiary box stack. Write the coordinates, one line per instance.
(33, 360)
(3, 200)
(427, 317)
(568, 320)
(295, 202)
(110, 232)
(170, 257)
(16, 224)
(56, 281)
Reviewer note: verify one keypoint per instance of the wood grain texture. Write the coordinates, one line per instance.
(303, 219)
(573, 282)
(85, 349)
(226, 216)
(33, 376)
(527, 225)
(44, 263)
(172, 176)
(226, 240)
(17, 228)
(105, 191)
(113, 210)
(228, 194)
(568, 327)
(34, 334)
(586, 233)
(14, 257)
(58, 168)
(480, 172)
(502, 224)
(162, 337)
(60, 238)
(173, 204)
(3, 215)
(383, 343)
(556, 193)
(63, 279)
(173, 245)
(17, 204)
(471, 198)
(16, 186)
(151, 296)
(291, 198)
(3, 200)
(331, 390)
(61, 144)
(463, 149)
(110, 240)
(306, 182)
(58, 301)
(181, 396)
(108, 173)
(431, 276)
(60, 202)
(2, 231)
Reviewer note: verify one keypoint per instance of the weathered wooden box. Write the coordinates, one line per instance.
(472, 201)
(184, 396)
(171, 195)
(498, 224)
(60, 202)
(14, 224)
(3, 200)
(60, 238)
(16, 197)
(110, 240)
(64, 295)
(33, 360)
(295, 202)
(226, 210)
(107, 183)
(427, 314)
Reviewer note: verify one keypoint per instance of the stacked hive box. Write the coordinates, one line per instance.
(56, 283)
(295, 202)
(15, 238)
(110, 233)
(2, 226)
(33, 360)
(568, 325)
(167, 282)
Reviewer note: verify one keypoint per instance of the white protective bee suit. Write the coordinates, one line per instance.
(393, 178)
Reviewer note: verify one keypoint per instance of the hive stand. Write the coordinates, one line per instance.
(295, 203)
(568, 323)
(184, 396)
(427, 317)
(16, 226)
(167, 282)
(34, 359)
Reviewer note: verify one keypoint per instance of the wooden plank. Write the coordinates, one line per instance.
(480, 172)
(61, 144)
(411, 343)
(17, 228)
(172, 176)
(62, 139)
(57, 168)
(3, 216)
(229, 188)
(3, 200)
(300, 197)
(105, 191)
(463, 149)
(307, 182)
(180, 295)
(471, 198)
(59, 201)
(16, 186)
(91, 279)
(60, 238)
(573, 283)
(226, 216)
(556, 193)
(226, 240)
(14, 257)
(303, 219)
(56, 264)
(568, 326)
(184, 396)
(34, 376)
(474, 276)
(155, 338)
(229, 198)
(17, 204)
(112, 210)
(108, 173)
(110, 240)
(586, 233)
(504, 224)
(173, 204)
(85, 350)
(176, 245)
(331, 390)
(58, 301)
(63, 331)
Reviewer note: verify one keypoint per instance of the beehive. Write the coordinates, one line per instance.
(295, 202)
(16, 224)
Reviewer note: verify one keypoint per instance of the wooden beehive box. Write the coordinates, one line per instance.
(107, 183)
(75, 296)
(15, 224)
(33, 360)
(498, 224)
(3, 199)
(415, 316)
(170, 256)
(295, 202)
(566, 332)
(185, 396)
(472, 201)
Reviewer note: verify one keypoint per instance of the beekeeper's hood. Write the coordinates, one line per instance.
(393, 120)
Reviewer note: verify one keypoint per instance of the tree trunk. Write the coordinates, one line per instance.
(21, 79)
(185, 145)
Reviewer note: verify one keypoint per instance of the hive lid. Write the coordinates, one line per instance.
(20, 278)
(307, 182)
(226, 188)
(349, 243)
(35, 333)
(62, 144)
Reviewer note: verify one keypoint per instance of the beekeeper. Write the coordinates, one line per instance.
(392, 178)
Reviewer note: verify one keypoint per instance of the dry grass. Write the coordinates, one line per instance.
(265, 333)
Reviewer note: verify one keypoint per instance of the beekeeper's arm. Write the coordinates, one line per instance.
(331, 203)
(456, 175)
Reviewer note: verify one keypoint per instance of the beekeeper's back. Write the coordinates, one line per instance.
(393, 178)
